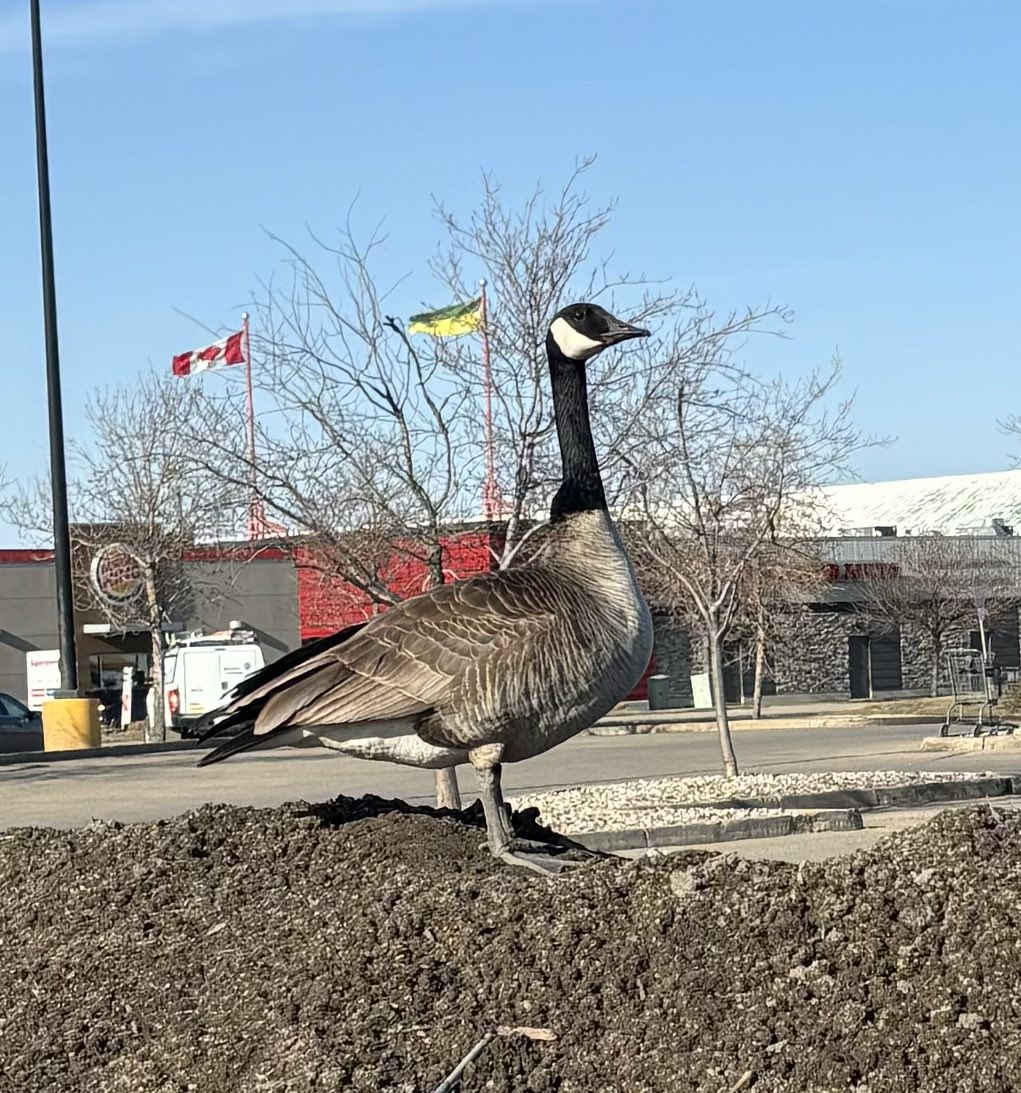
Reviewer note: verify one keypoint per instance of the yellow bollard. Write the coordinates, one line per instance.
(71, 723)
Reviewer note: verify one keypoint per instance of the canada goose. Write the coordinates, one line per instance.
(489, 670)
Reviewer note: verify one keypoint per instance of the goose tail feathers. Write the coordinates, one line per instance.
(244, 702)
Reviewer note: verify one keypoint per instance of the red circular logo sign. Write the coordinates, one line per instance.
(116, 574)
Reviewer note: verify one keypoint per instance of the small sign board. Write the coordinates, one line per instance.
(42, 671)
(701, 692)
(127, 680)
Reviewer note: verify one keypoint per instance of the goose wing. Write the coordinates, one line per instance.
(400, 666)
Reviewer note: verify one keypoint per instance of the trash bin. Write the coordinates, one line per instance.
(659, 692)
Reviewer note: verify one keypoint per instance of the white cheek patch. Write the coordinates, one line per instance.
(574, 346)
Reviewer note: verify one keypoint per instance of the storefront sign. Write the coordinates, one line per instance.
(116, 575)
(42, 670)
(861, 571)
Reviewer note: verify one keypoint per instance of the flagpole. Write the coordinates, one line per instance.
(253, 503)
(490, 490)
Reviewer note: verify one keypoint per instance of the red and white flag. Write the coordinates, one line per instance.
(229, 350)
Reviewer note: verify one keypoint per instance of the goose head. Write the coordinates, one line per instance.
(580, 331)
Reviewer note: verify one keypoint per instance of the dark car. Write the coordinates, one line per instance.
(21, 729)
(16, 715)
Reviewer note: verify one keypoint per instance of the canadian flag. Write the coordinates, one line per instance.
(229, 350)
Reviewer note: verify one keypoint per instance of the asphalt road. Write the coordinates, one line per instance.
(128, 788)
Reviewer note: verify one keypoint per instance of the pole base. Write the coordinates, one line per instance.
(70, 724)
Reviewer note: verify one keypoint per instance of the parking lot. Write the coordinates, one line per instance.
(147, 786)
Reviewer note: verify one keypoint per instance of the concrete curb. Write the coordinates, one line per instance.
(754, 827)
(840, 811)
(609, 727)
(107, 751)
(635, 727)
(880, 797)
(1004, 742)
(629, 725)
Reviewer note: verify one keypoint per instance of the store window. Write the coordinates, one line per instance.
(106, 669)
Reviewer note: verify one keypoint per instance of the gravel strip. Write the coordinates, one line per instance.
(663, 802)
(594, 817)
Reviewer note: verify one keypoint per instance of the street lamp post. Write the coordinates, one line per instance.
(58, 474)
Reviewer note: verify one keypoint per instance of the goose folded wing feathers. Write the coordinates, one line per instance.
(407, 662)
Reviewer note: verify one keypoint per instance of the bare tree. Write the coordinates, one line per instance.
(723, 466)
(781, 575)
(938, 585)
(136, 483)
(537, 256)
(371, 444)
(362, 450)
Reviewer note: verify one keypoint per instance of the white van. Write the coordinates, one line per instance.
(199, 670)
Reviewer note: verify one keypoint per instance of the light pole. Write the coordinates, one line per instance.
(58, 475)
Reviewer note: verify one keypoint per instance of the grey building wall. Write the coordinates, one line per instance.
(262, 595)
(917, 654)
(916, 647)
(813, 657)
(28, 620)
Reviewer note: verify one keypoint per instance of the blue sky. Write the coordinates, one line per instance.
(855, 159)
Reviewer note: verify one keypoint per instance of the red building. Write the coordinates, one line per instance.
(326, 604)
(282, 592)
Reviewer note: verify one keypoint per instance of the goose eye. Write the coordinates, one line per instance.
(579, 315)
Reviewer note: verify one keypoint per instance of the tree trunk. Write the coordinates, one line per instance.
(760, 671)
(435, 566)
(720, 701)
(448, 794)
(156, 726)
(156, 729)
(935, 671)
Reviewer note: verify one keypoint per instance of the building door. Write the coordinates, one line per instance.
(732, 675)
(884, 662)
(739, 674)
(1002, 641)
(858, 665)
(874, 663)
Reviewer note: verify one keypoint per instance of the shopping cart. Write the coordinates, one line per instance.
(976, 689)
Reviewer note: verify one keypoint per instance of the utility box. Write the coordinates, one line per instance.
(701, 692)
(71, 724)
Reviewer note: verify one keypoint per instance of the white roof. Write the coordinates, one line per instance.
(951, 504)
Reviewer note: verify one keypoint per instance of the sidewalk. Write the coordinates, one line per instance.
(806, 714)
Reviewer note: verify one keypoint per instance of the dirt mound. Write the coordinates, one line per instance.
(363, 945)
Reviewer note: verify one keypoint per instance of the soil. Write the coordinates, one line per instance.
(365, 945)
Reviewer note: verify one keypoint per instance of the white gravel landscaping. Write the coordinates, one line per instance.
(667, 802)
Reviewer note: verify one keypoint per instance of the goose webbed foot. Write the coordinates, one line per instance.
(505, 847)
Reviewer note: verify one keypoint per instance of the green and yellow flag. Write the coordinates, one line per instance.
(448, 322)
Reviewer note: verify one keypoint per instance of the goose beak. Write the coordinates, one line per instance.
(618, 331)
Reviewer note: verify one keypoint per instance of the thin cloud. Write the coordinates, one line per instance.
(91, 22)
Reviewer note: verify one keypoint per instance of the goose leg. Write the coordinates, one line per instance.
(502, 843)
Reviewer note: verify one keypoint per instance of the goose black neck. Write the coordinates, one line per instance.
(582, 486)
